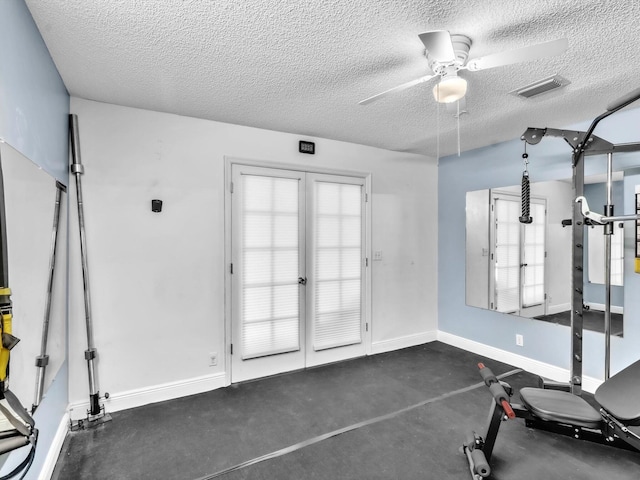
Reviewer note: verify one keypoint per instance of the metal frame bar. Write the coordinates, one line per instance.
(608, 231)
(577, 277)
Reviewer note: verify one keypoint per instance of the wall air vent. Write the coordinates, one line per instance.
(541, 86)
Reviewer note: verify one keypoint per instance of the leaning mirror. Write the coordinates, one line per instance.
(37, 279)
(525, 269)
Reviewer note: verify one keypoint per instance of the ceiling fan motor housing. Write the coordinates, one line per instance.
(461, 46)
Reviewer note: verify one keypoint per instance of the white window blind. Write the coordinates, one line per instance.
(270, 294)
(507, 253)
(617, 254)
(337, 267)
(534, 237)
(596, 255)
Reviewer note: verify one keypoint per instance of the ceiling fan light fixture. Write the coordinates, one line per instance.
(450, 89)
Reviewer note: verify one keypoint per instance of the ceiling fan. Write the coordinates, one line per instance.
(448, 54)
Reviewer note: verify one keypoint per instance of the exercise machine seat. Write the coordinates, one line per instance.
(620, 395)
(561, 407)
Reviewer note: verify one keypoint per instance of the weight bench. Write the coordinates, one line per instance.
(561, 412)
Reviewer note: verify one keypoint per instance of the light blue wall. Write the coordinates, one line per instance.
(501, 165)
(34, 103)
(34, 109)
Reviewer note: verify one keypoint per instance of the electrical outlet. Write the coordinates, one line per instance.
(377, 255)
(213, 359)
(519, 340)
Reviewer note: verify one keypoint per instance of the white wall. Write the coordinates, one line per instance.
(158, 280)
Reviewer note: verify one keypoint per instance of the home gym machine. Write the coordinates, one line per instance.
(553, 408)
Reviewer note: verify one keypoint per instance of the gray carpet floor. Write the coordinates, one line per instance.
(195, 437)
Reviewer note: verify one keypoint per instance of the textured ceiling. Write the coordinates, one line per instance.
(301, 66)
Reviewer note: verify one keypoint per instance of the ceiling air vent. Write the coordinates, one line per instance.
(541, 86)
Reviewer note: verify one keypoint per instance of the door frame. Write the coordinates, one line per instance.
(229, 161)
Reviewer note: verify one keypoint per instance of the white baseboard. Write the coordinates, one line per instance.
(153, 394)
(403, 342)
(600, 307)
(558, 308)
(169, 391)
(533, 366)
(53, 453)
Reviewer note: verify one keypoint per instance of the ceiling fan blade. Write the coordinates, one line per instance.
(399, 88)
(438, 45)
(525, 54)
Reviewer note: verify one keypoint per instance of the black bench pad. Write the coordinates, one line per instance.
(561, 407)
(620, 395)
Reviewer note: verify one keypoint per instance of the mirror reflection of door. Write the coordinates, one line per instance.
(558, 195)
(518, 257)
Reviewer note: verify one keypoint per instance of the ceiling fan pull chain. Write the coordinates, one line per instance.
(458, 119)
(438, 126)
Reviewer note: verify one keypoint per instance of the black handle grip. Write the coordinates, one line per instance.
(487, 375)
(498, 392)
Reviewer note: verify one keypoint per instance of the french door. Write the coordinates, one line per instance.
(298, 260)
(518, 257)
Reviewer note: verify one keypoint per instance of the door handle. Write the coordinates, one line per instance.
(302, 281)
